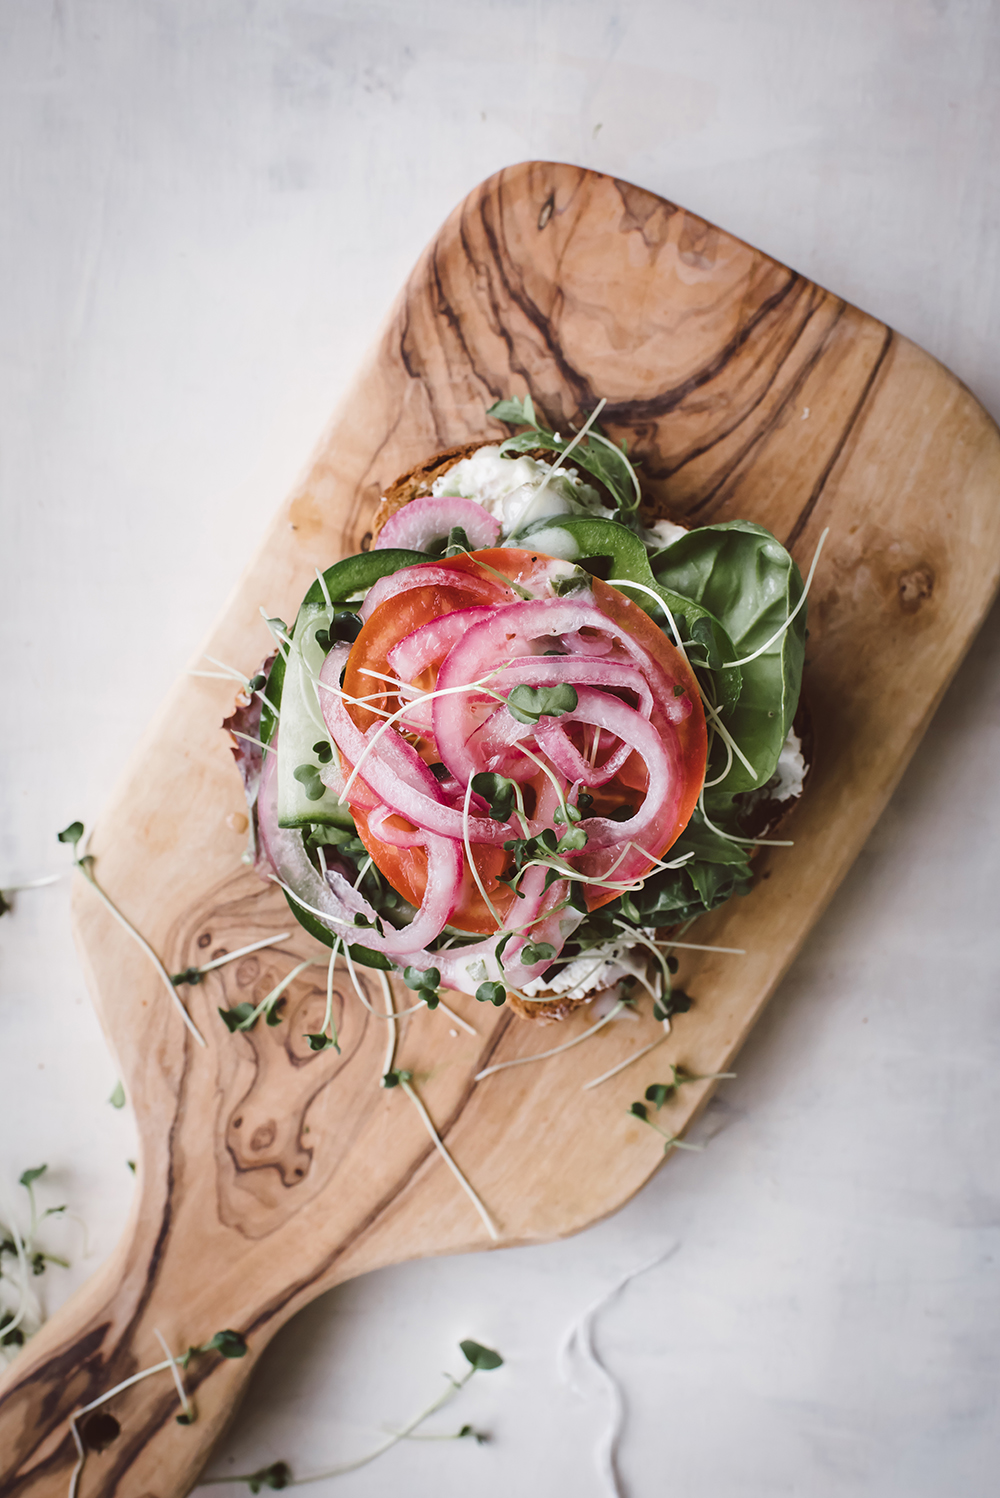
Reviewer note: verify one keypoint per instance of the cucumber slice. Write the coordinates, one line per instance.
(302, 728)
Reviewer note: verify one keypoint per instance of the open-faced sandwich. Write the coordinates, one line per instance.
(530, 729)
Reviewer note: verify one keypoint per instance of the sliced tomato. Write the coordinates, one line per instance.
(368, 666)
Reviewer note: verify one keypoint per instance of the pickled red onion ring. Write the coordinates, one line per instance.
(421, 521)
(427, 575)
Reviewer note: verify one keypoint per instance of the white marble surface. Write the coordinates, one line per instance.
(207, 210)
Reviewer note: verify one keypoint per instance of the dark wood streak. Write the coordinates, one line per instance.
(165, 1407)
(670, 400)
(807, 509)
(495, 238)
(773, 422)
(279, 1303)
(59, 1369)
(671, 470)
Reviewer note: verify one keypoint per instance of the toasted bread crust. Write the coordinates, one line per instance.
(545, 1011)
(417, 482)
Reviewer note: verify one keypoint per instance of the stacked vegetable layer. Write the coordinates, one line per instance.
(518, 744)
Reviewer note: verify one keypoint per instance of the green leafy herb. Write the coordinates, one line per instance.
(323, 751)
(491, 993)
(319, 1042)
(277, 1475)
(231, 1344)
(117, 1098)
(71, 834)
(343, 628)
(415, 979)
(674, 1002)
(659, 1093)
(29, 1177)
(12, 1338)
(596, 453)
(576, 581)
(527, 704)
(309, 778)
(483, 1359)
(189, 975)
(572, 841)
(497, 791)
(235, 1017)
(457, 542)
(536, 951)
(749, 583)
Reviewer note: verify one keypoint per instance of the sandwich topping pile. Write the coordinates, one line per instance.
(528, 730)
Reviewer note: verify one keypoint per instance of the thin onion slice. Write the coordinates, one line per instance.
(419, 523)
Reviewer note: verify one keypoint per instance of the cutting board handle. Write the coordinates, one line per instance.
(133, 1445)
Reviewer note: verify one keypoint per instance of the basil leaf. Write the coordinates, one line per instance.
(749, 583)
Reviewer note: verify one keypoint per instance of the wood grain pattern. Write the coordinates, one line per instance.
(268, 1173)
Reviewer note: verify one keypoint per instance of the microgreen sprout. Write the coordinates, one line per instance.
(491, 993)
(72, 835)
(343, 629)
(321, 1040)
(556, 1050)
(13, 889)
(498, 792)
(19, 1321)
(673, 1141)
(404, 1079)
(480, 1359)
(229, 1343)
(658, 1094)
(244, 1016)
(309, 779)
(458, 542)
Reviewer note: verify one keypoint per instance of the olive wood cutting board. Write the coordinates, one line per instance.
(268, 1173)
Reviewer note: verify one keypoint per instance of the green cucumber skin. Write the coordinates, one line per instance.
(302, 726)
(343, 579)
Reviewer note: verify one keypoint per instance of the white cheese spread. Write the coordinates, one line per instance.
(517, 490)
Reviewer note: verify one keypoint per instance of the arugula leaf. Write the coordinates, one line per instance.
(747, 580)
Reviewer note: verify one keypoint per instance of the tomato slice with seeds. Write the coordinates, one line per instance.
(516, 572)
